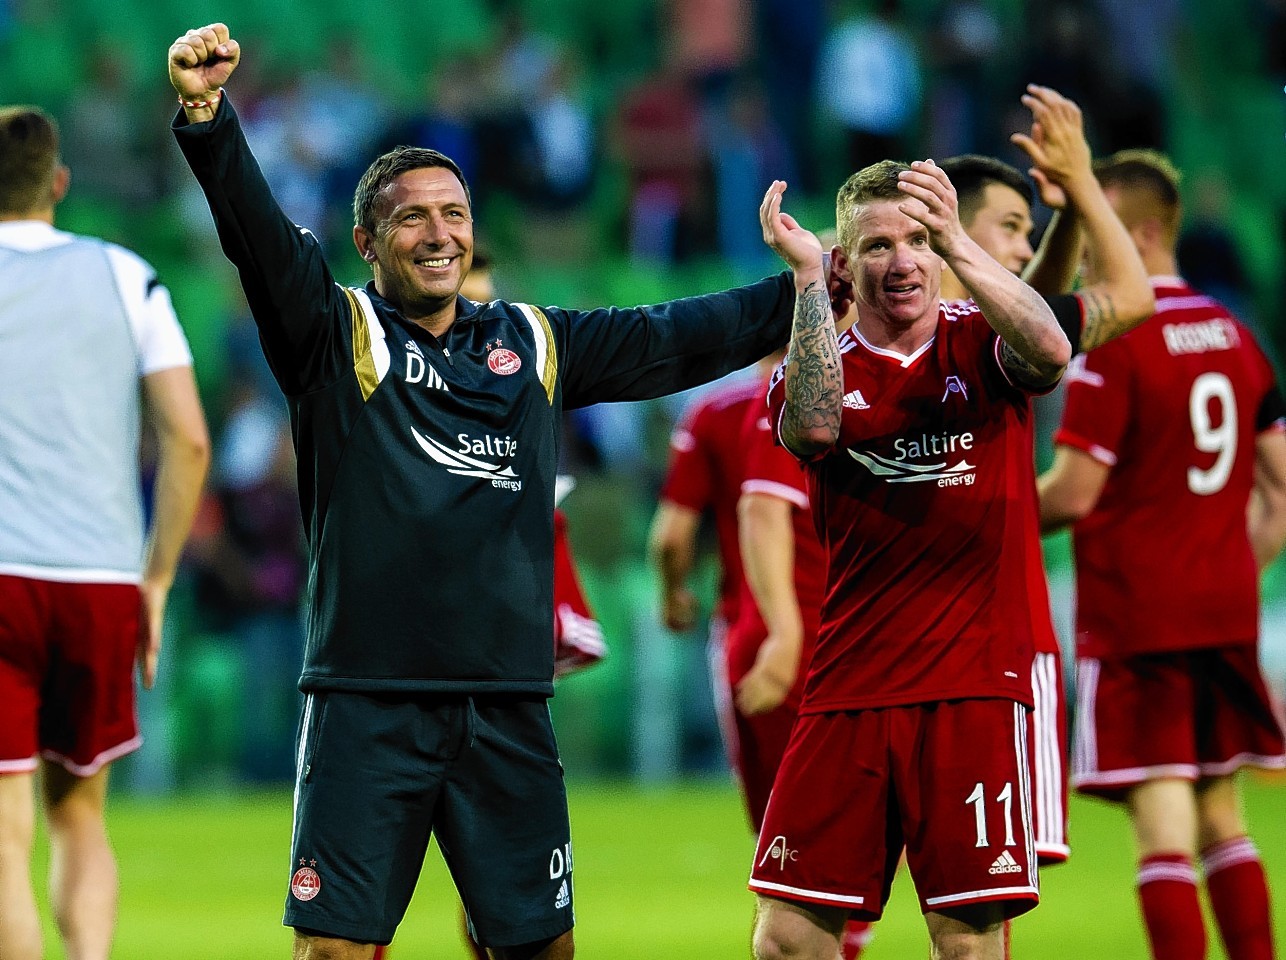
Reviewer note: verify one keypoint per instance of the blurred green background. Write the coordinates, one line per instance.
(728, 95)
(616, 152)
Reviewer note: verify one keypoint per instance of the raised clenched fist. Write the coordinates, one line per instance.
(201, 61)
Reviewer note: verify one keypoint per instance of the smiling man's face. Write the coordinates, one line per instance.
(422, 247)
(895, 272)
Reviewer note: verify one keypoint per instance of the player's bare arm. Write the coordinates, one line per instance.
(200, 63)
(1070, 488)
(814, 378)
(1035, 348)
(672, 548)
(1266, 512)
(766, 533)
(1122, 297)
(1057, 261)
(183, 447)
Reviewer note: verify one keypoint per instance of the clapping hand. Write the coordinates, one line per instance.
(801, 250)
(932, 202)
(1056, 144)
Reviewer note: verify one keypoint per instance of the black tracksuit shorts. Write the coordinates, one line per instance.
(378, 773)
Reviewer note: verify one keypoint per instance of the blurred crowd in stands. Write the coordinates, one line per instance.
(631, 160)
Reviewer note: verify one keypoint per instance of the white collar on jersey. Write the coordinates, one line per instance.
(905, 359)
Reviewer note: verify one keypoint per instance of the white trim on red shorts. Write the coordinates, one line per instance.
(723, 700)
(1085, 738)
(1024, 786)
(1050, 853)
(978, 896)
(100, 761)
(1234, 764)
(817, 896)
(1133, 776)
(1050, 817)
(25, 765)
(1085, 772)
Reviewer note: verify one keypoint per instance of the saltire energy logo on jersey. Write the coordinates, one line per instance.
(460, 463)
(901, 469)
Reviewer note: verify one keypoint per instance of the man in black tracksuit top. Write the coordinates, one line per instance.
(427, 431)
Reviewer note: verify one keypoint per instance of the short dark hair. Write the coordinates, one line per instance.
(972, 173)
(28, 159)
(879, 181)
(388, 168)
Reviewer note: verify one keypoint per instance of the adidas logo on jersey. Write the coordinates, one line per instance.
(564, 897)
(414, 347)
(1005, 864)
(855, 401)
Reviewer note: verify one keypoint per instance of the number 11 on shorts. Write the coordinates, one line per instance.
(979, 800)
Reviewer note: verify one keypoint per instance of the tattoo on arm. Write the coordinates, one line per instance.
(1101, 321)
(814, 377)
(1022, 370)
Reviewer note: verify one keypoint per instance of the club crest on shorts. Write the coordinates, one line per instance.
(502, 360)
(305, 884)
(779, 852)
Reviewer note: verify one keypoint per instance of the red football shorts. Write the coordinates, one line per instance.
(760, 745)
(949, 780)
(1048, 743)
(755, 745)
(66, 673)
(1185, 715)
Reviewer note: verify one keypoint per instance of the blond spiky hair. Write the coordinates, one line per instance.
(1137, 167)
(1151, 179)
(879, 181)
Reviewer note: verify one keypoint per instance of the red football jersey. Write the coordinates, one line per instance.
(1044, 637)
(920, 509)
(771, 470)
(705, 471)
(1163, 561)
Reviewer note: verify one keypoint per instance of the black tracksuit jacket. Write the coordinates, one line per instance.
(426, 466)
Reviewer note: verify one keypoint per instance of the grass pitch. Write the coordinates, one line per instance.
(659, 873)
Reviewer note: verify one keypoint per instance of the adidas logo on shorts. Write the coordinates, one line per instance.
(1005, 864)
(564, 897)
